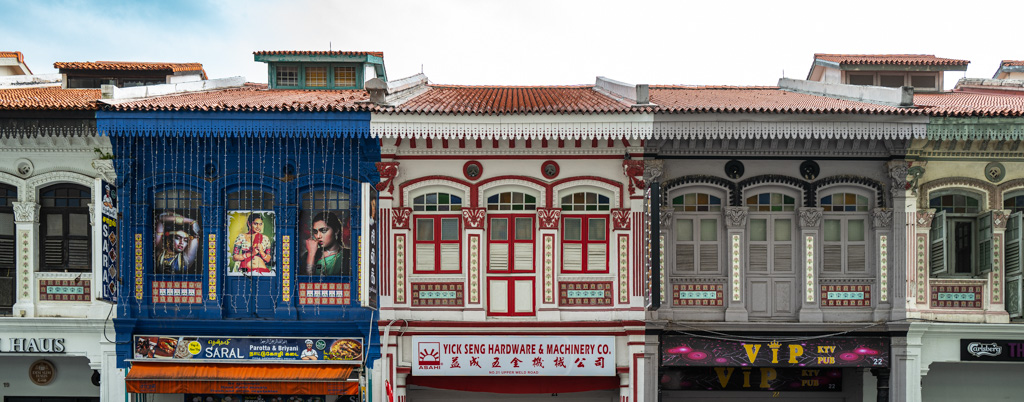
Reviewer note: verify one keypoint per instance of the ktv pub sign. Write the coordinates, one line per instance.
(818, 352)
(514, 356)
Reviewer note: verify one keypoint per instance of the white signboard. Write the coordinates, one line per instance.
(514, 355)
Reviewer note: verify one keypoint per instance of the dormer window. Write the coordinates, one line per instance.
(287, 76)
(330, 70)
(344, 76)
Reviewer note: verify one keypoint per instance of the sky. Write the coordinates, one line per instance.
(519, 42)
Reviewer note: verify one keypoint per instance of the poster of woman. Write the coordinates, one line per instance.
(176, 242)
(325, 243)
(251, 243)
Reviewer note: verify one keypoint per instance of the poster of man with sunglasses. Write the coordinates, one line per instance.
(325, 241)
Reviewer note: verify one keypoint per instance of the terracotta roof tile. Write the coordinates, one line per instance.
(254, 98)
(128, 66)
(772, 100)
(962, 104)
(48, 98)
(1012, 63)
(15, 55)
(891, 59)
(457, 99)
(316, 53)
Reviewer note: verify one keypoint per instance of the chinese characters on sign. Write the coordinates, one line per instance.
(514, 356)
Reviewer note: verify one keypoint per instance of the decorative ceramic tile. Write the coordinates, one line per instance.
(845, 295)
(697, 295)
(576, 294)
(177, 292)
(436, 294)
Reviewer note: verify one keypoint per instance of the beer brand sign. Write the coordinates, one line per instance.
(992, 350)
(822, 352)
(514, 355)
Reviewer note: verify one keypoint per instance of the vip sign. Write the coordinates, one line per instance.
(514, 356)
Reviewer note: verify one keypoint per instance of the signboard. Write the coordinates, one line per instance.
(752, 379)
(514, 355)
(369, 247)
(108, 241)
(991, 350)
(42, 372)
(32, 345)
(677, 350)
(271, 350)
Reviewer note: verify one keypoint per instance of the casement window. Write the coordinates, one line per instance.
(287, 76)
(844, 233)
(921, 81)
(510, 239)
(316, 77)
(177, 226)
(585, 235)
(1014, 203)
(697, 233)
(64, 229)
(510, 296)
(325, 234)
(770, 230)
(1014, 264)
(8, 196)
(438, 237)
(961, 236)
(344, 77)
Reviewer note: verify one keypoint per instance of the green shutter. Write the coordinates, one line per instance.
(985, 243)
(1013, 274)
(938, 244)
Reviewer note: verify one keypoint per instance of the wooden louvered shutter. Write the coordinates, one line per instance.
(985, 243)
(832, 261)
(572, 257)
(709, 257)
(1014, 271)
(523, 257)
(782, 260)
(758, 257)
(939, 247)
(499, 257)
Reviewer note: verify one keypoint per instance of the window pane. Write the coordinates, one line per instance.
(524, 228)
(78, 225)
(344, 76)
(783, 230)
(287, 76)
(572, 229)
(861, 79)
(855, 230)
(425, 229)
(891, 81)
(450, 229)
(833, 231)
(499, 229)
(708, 229)
(316, 76)
(7, 224)
(758, 230)
(922, 81)
(54, 225)
(596, 229)
(684, 230)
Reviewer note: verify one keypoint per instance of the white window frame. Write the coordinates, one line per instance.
(844, 247)
(700, 248)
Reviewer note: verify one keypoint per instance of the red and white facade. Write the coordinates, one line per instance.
(513, 247)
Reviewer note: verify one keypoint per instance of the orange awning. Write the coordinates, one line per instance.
(224, 378)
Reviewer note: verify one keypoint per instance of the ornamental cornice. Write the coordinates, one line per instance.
(497, 129)
(778, 130)
(33, 184)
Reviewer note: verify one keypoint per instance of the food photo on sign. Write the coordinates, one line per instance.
(243, 348)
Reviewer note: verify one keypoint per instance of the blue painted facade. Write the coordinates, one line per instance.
(214, 157)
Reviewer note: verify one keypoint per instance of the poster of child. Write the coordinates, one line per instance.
(250, 242)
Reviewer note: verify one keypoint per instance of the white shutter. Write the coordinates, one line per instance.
(709, 258)
(497, 296)
(759, 257)
(597, 257)
(783, 258)
(832, 260)
(450, 257)
(424, 257)
(572, 257)
(499, 257)
(685, 258)
(523, 257)
(523, 296)
(856, 258)
(938, 249)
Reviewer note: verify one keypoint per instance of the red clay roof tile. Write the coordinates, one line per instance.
(891, 59)
(15, 55)
(962, 104)
(253, 98)
(723, 99)
(1012, 63)
(317, 53)
(458, 99)
(48, 98)
(128, 66)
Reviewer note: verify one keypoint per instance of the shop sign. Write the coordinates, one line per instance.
(33, 345)
(992, 350)
(514, 355)
(270, 350)
(824, 352)
(797, 379)
(108, 242)
(369, 245)
(42, 372)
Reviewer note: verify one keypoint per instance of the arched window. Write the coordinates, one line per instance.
(844, 232)
(325, 233)
(584, 233)
(772, 277)
(961, 236)
(8, 196)
(1014, 202)
(64, 224)
(177, 232)
(697, 234)
(437, 237)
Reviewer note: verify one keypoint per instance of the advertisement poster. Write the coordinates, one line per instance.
(200, 348)
(514, 355)
(752, 379)
(369, 247)
(678, 350)
(251, 243)
(326, 242)
(176, 235)
(108, 243)
(991, 350)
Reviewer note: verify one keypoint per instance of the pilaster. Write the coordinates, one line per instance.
(736, 225)
(810, 266)
(26, 222)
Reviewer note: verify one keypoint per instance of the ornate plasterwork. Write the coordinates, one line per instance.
(999, 218)
(989, 190)
(898, 174)
(92, 213)
(1008, 186)
(810, 218)
(634, 170)
(441, 185)
(616, 197)
(400, 218)
(736, 217)
(620, 219)
(485, 190)
(33, 184)
(26, 212)
(505, 130)
(549, 217)
(388, 172)
(105, 167)
(784, 130)
(881, 218)
(924, 218)
(666, 217)
(653, 169)
(473, 218)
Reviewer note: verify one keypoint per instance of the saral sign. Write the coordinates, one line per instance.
(514, 355)
(232, 349)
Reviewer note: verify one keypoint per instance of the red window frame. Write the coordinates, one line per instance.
(584, 241)
(436, 241)
(513, 243)
(511, 301)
